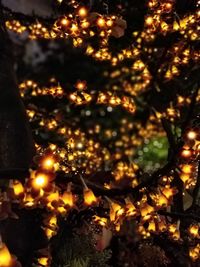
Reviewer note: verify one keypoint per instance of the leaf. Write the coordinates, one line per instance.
(118, 29)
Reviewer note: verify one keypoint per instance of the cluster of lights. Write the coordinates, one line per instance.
(159, 20)
(189, 155)
(80, 152)
(32, 89)
(79, 97)
(114, 100)
(175, 109)
(162, 198)
(80, 25)
(123, 170)
(129, 80)
(40, 190)
(123, 142)
(150, 222)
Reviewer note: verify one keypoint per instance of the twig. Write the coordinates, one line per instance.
(196, 191)
(168, 129)
(191, 109)
(10, 14)
(116, 192)
(180, 215)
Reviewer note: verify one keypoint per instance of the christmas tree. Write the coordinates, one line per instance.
(99, 133)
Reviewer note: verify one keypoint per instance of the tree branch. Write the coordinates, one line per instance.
(168, 129)
(27, 19)
(180, 215)
(196, 191)
(116, 192)
(191, 109)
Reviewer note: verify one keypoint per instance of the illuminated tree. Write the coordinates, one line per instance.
(112, 96)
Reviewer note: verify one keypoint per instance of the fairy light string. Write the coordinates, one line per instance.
(71, 152)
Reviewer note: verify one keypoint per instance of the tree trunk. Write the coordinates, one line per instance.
(16, 143)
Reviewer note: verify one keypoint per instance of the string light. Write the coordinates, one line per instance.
(79, 151)
(5, 256)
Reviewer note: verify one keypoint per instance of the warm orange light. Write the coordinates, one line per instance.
(152, 226)
(186, 168)
(100, 220)
(89, 197)
(65, 22)
(74, 28)
(109, 23)
(168, 192)
(85, 24)
(51, 221)
(18, 188)
(82, 12)
(28, 200)
(149, 21)
(48, 163)
(191, 135)
(80, 85)
(40, 181)
(146, 210)
(5, 256)
(115, 211)
(185, 177)
(176, 235)
(194, 230)
(43, 261)
(162, 201)
(68, 199)
(61, 210)
(168, 6)
(186, 153)
(172, 228)
(49, 232)
(54, 196)
(162, 226)
(101, 22)
(130, 208)
(195, 252)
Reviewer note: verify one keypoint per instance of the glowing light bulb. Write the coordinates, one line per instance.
(146, 211)
(101, 22)
(80, 85)
(186, 153)
(194, 230)
(48, 163)
(185, 177)
(18, 188)
(43, 261)
(191, 135)
(186, 168)
(152, 226)
(82, 12)
(5, 256)
(65, 22)
(149, 21)
(115, 211)
(100, 220)
(40, 181)
(68, 199)
(89, 197)
(130, 208)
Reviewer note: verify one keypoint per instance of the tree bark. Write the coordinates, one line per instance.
(16, 142)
